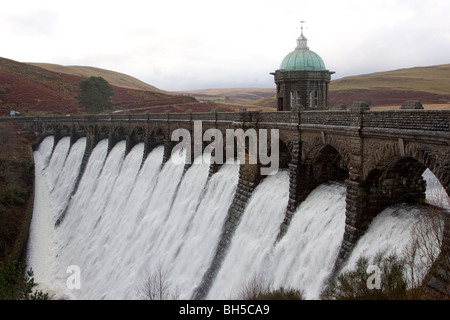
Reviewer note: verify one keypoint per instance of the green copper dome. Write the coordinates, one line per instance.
(302, 59)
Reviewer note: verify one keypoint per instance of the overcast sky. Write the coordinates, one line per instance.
(200, 44)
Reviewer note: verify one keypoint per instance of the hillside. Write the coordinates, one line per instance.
(16, 188)
(114, 78)
(433, 79)
(30, 90)
(430, 85)
(233, 95)
(202, 100)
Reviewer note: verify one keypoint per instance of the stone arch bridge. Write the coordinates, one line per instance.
(380, 155)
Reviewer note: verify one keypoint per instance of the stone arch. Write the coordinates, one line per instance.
(342, 147)
(326, 159)
(153, 137)
(64, 130)
(136, 136)
(49, 128)
(161, 135)
(118, 134)
(440, 167)
(328, 164)
(315, 144)
(81, 130)
(102, 133)
(59, 132)
(400, 179)
(382, 156)
(158, 135)
(391, 156)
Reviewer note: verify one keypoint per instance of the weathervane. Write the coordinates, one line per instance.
(302, 41)
(301, 24)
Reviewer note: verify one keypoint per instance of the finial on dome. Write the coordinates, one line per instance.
(302, 41)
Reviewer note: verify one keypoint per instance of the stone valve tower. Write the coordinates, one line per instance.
(302, 80)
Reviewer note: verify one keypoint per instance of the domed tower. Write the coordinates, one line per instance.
(302, 80)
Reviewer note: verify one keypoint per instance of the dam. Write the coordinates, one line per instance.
(126, 208)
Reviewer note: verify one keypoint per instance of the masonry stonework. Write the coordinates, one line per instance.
(380, 155)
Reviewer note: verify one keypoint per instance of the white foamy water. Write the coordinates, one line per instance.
(126, 220)
(435, 193)
(197, 239)
(65, 183)
(42, 242)
(56, 162)
(305, 257)
(254, 236)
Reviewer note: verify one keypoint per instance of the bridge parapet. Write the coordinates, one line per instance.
(331, 118)
(423, 120)
(404, 119)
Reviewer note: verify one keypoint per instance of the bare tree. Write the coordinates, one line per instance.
(157, 285)
(424, 254)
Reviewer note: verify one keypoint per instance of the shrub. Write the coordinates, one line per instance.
(362, 283)
(259, 289)
(15, 285)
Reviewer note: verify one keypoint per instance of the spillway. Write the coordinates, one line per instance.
(128, 221)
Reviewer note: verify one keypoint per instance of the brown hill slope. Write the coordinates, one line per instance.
(30, 89)
(231, 95)
(114, 78)
(430, 85)
(432, 79)
(16, 188)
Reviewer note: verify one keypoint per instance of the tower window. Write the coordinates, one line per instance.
(314, 98)
(295, 98)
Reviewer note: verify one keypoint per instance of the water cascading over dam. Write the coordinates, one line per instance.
(126, 221)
